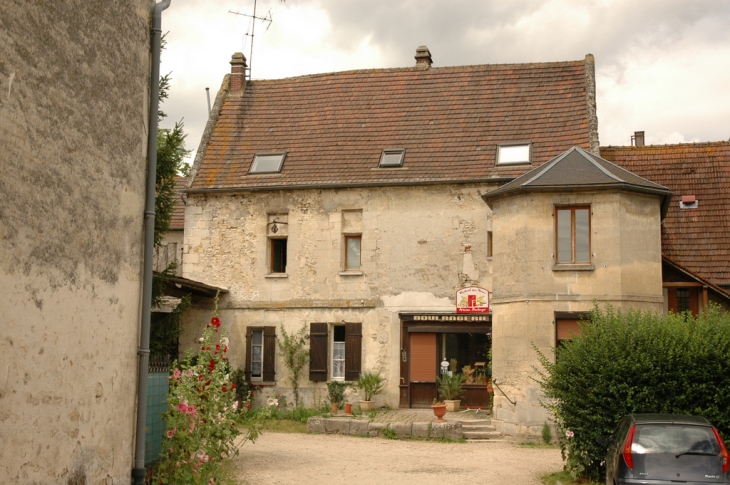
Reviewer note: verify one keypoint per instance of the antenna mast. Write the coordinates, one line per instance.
(253, 28)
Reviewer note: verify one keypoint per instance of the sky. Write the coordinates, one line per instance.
(662, 66)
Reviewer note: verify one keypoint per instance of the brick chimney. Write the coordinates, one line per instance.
(638, 138)
(238, 72)
(423, 57)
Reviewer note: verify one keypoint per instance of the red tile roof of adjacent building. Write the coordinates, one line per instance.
(698, 239)
(177, 220)
(449, 120)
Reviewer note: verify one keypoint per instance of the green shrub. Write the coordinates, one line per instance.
(371, 384)
(635, 362)
(336, 391)
(451, 387)
(389, 434)
(547, 435)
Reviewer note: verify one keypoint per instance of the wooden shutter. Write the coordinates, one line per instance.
(567, 329)
(423, 357)
(269, 374)
(249, 332)
(353, 351)
(694, 301)
(318, 352)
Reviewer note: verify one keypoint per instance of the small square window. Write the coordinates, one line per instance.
(352, 253)
(267, 163)
(514, 154)
(392, 158)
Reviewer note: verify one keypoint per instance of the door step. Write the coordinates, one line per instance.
(479, 430)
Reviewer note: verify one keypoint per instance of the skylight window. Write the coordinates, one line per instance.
(267, 162)
(392, 158)
(513, 154)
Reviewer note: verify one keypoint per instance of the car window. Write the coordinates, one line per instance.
(620, 433)
(652, 438)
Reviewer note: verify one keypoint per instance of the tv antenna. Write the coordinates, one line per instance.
(253, 18)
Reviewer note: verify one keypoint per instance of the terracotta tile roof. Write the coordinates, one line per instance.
(177, 221)
(577, 168)
(450, 120)
(697, 239)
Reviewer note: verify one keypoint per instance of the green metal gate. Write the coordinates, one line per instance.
(157, 388)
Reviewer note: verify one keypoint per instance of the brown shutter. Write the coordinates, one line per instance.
(423, 357)
(672, 304)
(567, 329)
(318, 352)
(353, 351)
(694, 301)
(249, 332)
(269, 374)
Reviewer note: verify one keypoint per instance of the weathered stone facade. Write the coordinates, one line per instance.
(74, 81)
(414, 258)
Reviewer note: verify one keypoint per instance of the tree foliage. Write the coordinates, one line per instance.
(635, 362)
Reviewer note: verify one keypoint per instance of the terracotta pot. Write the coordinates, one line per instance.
(348, 409)
(452, 405)
(439, 412)
(333, 408)
(367, 406)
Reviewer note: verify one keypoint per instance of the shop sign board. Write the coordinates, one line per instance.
(472, 299)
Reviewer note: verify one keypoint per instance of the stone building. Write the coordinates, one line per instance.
(73, 133)
(357, 204)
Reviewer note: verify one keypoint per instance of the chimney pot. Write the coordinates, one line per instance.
(423, 57)
(638, 138)
(238, 72)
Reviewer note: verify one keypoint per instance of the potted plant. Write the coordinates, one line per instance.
(336, 391)
(451, 389)
(371, 384)
(439, 410)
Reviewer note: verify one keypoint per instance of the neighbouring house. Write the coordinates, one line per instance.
(74, 103)
(696, 231)
(170, 249)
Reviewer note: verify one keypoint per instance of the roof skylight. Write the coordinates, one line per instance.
(267, 162)
(392, 158)
(513, 154)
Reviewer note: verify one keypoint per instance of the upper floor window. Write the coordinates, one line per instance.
(392, 158)
(267, 162)
(277, 232)
(514, 154)
(572, 234)
(352, 253)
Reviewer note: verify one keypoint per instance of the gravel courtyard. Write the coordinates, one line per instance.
(281, 458)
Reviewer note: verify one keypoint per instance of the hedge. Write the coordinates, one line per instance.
(635, 362)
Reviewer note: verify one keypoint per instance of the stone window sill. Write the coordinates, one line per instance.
(573, 267)
(277, 275)
(350, 273)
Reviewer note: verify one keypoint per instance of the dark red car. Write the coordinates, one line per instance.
(666, 449)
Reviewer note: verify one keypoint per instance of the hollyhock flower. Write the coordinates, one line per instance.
(569, 434)
(176, 374)
(177, 464)
(235, 405)
(217, 348)
(216, 321)
(224, 341)
(211, 364)
(200, 340)
(233, 386)
(188, 373)
(172, 451)
(182, 407)
(224, 389)
(170, 434)
(225, 349)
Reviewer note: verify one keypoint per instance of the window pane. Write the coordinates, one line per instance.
(564, 249)
(338, 350)
(267, 163)
(391, 159)
(582, 236)
(256, 353)
(278, 255)
(338, 368)
(674, 439)
(353, 253)
(255, 369)
(513, 154)
(257, 337)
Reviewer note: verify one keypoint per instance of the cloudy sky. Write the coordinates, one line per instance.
(662, 66)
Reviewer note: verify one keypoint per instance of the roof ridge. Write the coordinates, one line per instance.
(622, 169)
(550, 165)
(420, 69)
(668, 145)
(600, 167)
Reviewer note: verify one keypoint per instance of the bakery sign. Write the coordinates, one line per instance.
(472, 299)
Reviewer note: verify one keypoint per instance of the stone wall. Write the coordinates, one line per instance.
(73, 117)
(528, 290)
(414, 258)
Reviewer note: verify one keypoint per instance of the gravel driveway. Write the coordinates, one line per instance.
(281, 458)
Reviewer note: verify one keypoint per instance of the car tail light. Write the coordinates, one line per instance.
(627, 447)
(723, 452)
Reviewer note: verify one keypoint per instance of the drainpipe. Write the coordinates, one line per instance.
(138, 472)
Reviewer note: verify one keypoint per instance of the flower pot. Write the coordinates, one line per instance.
(452, 404)
(333, 408)
(439, 411)
(367, 406)
(348, 409)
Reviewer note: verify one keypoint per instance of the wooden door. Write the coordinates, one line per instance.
(423, 388)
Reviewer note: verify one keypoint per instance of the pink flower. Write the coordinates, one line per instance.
(170, 434)
(235, 405)
(176, 373)
(177, 463)
(188, 373)
(182, 407)
(172, 451)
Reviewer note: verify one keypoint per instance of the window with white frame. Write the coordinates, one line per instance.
(338, 352)
(514, 154)
(257, 354)
(267, 163)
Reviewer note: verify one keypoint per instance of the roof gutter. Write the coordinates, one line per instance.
(138, 472)
(262, 188)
